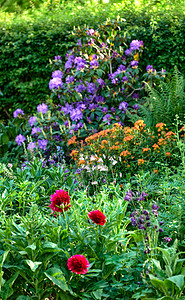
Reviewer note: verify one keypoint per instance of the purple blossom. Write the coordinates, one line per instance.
(167, 239)
(76, 114)
(135, 45)
(135, 96)
(31, 146)
(32, 121)
(107, 118)
(17, 112)
(58, 57)
(94, 64)
(123, 105)
(20, 139)
(81, 66)
(134, 63)
(67, 108)
(89, 120)
(36, 130)
(114, 80)
(91, 88)
(55, 83)
(66, 124)
(113, 110)
(105, 110)
(42, 108)
(80, 88)
(115, 54)
(42, 144)
(133, 221)
(135, 106)
(163, 71)
(70, 79)
(101, 82)
(149, 68)
(128, 196)
(122, 68)
(92, 106)
(155, 207)
(128, 52)
(125, 78)
(90, 32)
(57, 74)
(79, 43)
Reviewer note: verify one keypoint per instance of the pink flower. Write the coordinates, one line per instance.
(78, 264)
(60, 201)
(97, 217)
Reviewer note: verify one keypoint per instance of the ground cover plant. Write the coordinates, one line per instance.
(91, 188)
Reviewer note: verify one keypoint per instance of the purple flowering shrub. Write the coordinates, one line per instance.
(100, 79)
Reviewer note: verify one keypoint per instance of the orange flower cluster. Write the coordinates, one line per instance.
(160, 126)
(125, 153)
(72, 140)
(140, 162)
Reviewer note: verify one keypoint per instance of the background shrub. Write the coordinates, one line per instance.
(28, 42)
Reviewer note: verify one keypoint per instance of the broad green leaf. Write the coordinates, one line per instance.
(178, 280)
(7, 289)
(159, 284)
(33, 246)
(3, 257)
(98, 294)
(33, 264)
(50, 245)
(57, 277)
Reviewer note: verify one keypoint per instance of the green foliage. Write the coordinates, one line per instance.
(165, 101)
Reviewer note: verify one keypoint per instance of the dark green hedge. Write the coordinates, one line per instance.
(25, 50)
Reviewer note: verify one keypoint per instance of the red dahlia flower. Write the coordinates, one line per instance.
(97, 217)
(78, 264)
(60, 201)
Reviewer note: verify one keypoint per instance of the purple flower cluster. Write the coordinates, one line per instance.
(57, 74)
(18, 112)
(32, 121)
(43, 108)
(55, 83)
(20, 139)
(135, 196)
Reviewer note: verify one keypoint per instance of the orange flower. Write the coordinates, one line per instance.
(81, 162)
(182, 128)
(168, 154)
(140, 162)
(160, 126)
(146, 149)
(160, 141)
(72, 140)
(104, 142)
(155, 146)
(155, 171)
(139, 125)
(169, 134)
(128, 138)
(114, 147)
(125, 153)
(74, 152)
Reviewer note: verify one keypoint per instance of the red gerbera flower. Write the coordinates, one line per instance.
(97, 217)
(78, 264)
(60, 201)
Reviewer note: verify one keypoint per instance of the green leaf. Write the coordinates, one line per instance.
(178, 280)
(33, 246)
(159, 284)
(33, 264)
(23, 298)
(50, 245)
(98, 294)
(7, 289)
(57, 277)
(165, 298)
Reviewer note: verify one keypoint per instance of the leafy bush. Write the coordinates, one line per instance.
(27, 46)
